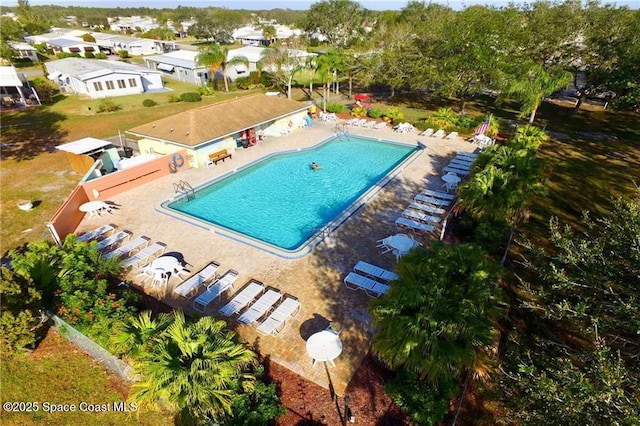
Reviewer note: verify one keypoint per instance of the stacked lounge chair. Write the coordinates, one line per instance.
(277, 320)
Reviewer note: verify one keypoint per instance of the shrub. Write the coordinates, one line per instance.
(359, 112)
(108, 105)
(266, 79)
(466, 122)
(444, 118)
(394, 115)
(101, 55)
(89, 55)
(123, 54)
(336, 108)
(190, 97)
(46, 91)
(375, 113)
(491, 235)
(62, 55)
(205, 90)
(173, 99)
(149, 103)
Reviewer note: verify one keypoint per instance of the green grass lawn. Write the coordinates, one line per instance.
(60, 373)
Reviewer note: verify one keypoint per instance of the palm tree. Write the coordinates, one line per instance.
(140, 334)
(191, 367)
(536, 84)
(438, 318)
(214, 57)
(283, 63)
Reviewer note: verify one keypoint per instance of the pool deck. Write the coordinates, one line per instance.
(316, 279)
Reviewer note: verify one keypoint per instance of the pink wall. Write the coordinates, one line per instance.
(68, 216)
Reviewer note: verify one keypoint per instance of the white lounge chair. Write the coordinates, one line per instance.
(95, 233)
(459, 165)
(472, 156)
(144, 256)
(243, 298)
(456, 170)
(352, 122)
(452, 135)
(373, 288)
(462, 159)
(425, 199)
(369, 124)
(114, 239)
(126, 249)
(439, 134)
(218, 288)
(374, 271)
(194, 282)
(426, 208)
(379, 126)
(420, 216)
(260, 307)
(404, 223)
(438, 194)
(427, 132)
(277, 320)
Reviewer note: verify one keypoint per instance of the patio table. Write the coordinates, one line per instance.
(324, 346)
(92, 207)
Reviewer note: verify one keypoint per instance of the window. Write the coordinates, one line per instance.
(121, 84)
(133, 82)
(74, 49)
(97, 86)
(110, 85)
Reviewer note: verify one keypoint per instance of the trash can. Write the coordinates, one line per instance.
(128, 152)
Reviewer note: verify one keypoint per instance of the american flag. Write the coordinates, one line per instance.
(483, 127)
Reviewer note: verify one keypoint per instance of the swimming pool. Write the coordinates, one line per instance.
(281, 202)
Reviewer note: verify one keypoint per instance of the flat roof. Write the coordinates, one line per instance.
(83, 146)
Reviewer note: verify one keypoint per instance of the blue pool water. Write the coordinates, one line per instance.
(281, 201)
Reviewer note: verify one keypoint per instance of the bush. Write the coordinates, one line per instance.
(336, 108)
(62, 55)
(394, 115)
(491, 236)
(359, 112)
(466, 122)
(444, 118)
(45, 90)
(149, 103)
(101, 55)
(89, 55)
(375, 113)
(123, 54)
(108, 105)
(173, 99)
(426, 404)
(205, 90)
(190, 97)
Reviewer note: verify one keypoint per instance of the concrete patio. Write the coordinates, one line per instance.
(315, 279)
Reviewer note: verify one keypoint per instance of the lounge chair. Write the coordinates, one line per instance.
(126, 249)
(419, 216)
(95, 233)
(194, 282)
(427, 132)
(452, 135)
(352, 122)
(438, 194)
(277, 320)
(369, 124)
(379, 126)
(464, 165)
(463, 159)
(374, 271)
(472, 156)
(218, 288)
(144, 256)
(456, 170)
(439, 134)
(404, 223)
(426, 208)
(114, 239)
(243, 298)
(373, 288)
(425, 199)
(260, 307)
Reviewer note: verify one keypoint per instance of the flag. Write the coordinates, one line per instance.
(483, 127)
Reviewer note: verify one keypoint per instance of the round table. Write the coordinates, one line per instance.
(324, 346)
(165, 263)
(92, 207)
(401, 242)
(453, 178)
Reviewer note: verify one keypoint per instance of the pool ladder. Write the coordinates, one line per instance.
(183, 187)
(342, 131)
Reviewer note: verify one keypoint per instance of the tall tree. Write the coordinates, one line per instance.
(338, 21)
(439, 318)
(216, 57)
(534, 85)
(283, 63)
(192, 367)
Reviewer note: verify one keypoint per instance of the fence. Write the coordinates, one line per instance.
(96, 351)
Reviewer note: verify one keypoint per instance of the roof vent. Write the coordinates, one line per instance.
(171, 129)
(187, 133)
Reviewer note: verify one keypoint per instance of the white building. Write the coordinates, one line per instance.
(101, 78)
(25, 51)
(180, 65)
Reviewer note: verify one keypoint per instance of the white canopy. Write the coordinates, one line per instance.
(83, 146)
